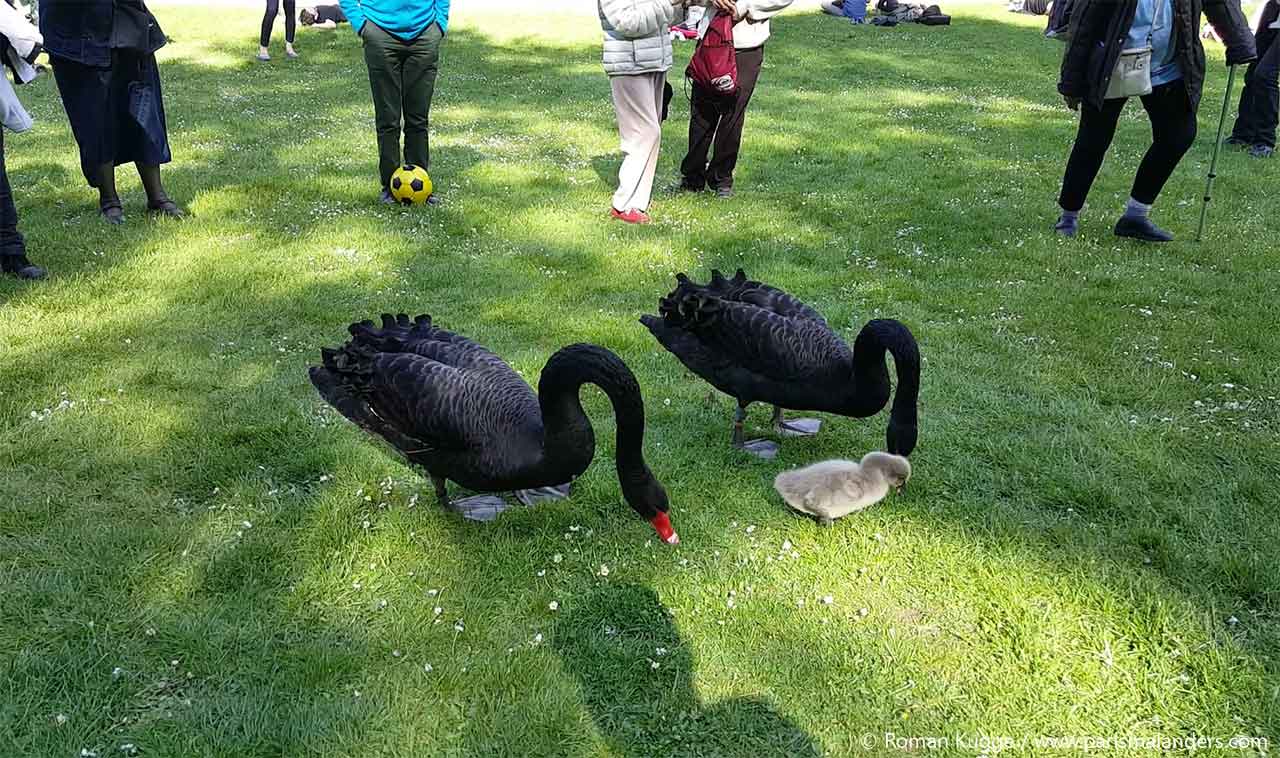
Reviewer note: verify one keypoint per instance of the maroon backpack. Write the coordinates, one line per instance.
(714, 65)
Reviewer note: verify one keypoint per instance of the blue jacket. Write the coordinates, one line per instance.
(405, 19)
(80, 30)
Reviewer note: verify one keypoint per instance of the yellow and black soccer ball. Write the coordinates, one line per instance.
(410, 185)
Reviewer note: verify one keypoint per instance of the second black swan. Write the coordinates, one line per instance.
(757, 343)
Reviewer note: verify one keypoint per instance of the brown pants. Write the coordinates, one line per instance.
(716, 121)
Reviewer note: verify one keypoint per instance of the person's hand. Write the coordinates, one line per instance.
(727, 6)
(1072, 102)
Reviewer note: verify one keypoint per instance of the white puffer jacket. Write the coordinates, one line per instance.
(753, 28)
(637, 35)
(23, 39)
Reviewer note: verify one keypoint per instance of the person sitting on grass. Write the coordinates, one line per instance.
(402, 40)
(322, 16)
(1255, 127)
(1170, 29)
(19, 45)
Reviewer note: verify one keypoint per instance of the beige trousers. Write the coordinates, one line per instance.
(637, 100)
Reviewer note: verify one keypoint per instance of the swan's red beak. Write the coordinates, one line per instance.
(662, 525)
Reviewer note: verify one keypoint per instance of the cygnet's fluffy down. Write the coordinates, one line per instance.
(831, 489)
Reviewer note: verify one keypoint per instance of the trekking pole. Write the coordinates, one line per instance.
(1217, 144)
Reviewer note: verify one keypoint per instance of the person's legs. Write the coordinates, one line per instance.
(13, 248)
(141, 136)
(157, 199)
(290, 21)
(382, 54)
(637, 100)
(1266, 113)
(728, 139)
(421, 65)
(1093, 137)
(705, 111)
(108, 199)
(1246, 118)
(268, 23)
(1173, 130)
(86, 98)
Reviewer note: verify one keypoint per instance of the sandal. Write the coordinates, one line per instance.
(112, 212)
(166, 208)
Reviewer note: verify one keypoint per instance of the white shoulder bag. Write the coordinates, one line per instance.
(1132, 74)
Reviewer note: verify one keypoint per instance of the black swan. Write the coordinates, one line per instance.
(757, 343)
(459, 411)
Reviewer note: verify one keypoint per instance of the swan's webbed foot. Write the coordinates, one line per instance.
(825, 521)
(479, 507)
(796, 427)
(799, 427)
(544, 494)
(764, 449)
(759, 448)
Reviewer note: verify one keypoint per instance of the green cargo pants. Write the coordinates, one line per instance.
(402, 76)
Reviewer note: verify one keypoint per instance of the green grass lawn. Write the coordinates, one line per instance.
(198, 558)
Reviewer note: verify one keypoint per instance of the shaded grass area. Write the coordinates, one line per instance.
(197, 558)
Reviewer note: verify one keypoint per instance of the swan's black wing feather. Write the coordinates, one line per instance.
(441, 399)
(420, 336)
(780, 348)
(713, 335)
(743, 290)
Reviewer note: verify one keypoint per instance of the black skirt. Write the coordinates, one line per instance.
(116, 113)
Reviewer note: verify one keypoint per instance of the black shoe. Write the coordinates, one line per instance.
(1236, 142)
(1067, 227)
(434, 199)
(166, 208)
(1261, 151)
(724, 193)
(386, 199)
(19, 266)
(1141, 228)
(684, 186)
(112, 212)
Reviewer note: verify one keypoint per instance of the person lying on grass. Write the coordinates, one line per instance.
(322, 16)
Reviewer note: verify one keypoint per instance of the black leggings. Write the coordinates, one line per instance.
(1173, 129)
(290, 20)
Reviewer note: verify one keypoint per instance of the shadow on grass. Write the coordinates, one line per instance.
(637, 679)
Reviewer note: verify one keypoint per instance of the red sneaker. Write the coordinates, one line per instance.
(632, 216)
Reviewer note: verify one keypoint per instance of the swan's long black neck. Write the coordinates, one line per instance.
(870, 389)
(568, 440)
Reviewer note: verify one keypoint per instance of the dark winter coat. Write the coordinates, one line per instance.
(1099, 28)
(82, 30)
